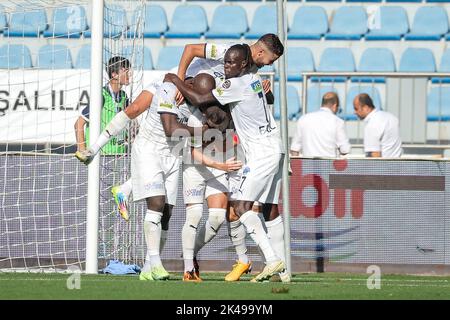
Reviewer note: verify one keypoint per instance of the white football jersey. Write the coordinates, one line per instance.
(212, 67)
(163, 102)
(251, 114)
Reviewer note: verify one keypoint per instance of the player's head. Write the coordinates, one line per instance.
(331, 100)
(237, 60)
(267, 50)
(118, 69)
(217, 118)
(363, 105)
(202, 83)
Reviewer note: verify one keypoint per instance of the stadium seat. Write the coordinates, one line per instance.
(430, 23)
(155, 21)
(264, 21)
(298, 60)
(393, 24)
(438, 108)
(54, 57)
(83, 60)
(67, 22)
(115, 22)
(293, 102)
(139, 58)
(375, 60)
(314, 96)
(348, 113)
(417, 60)
(349, 23)
(26, 22)
(403, 0)
(443, 67)
(188, 21)
(15, 56)
(335, 60)
(310, 23)
(221, 26)
(169, 57)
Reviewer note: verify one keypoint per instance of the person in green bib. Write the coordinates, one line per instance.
(114, 101)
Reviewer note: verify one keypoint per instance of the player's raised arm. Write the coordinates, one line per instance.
(116, 125)
(190, 52)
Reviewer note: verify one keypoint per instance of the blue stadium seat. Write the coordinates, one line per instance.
(349, 23)
(139, 58)
(229, 22)
(15, 56)
(375, 60)
(188, 21)
(417, 60)
(2, 19)
(293, 102)
(403, 0)
(264, 21)
(54, 57)
(348, 113)
(115, 22)
(335, 60)
(67, 22)
(298, 60)
(169, 57)
(443, 67)
(430, 23)
(26, 22)
(393, 24)
(83, 60)
(438, 108)
(310, 23)
(314, 96)
(155, 21)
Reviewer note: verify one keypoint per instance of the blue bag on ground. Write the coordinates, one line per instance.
(118, 267)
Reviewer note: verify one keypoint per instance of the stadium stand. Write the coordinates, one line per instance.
(155, 22)
(54, 57)
(298, 60)
(315, 94)
(27, 23)
(221, 26)
(375, 60)
(310, 23)
(188, 21)
(293, 102)
(62, 26)
(264, 21)
(348, 113)
(349, 23)
(141, 57)
(438, 108)
(335, 60)
(15, 56)
(417, 60)
(169, 57)
(3, 23)
(115, 24)
(444, 66)
(393, 24)
(430, 23)
(83, 60)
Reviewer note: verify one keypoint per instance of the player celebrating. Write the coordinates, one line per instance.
(260, 139)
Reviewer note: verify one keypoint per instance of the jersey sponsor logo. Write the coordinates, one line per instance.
(166, 105)
(154, 186)
(213, 51)
(226, 84)
(219, 91)
(256, 86)
(193, 193)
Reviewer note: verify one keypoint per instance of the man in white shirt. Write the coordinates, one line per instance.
(381, 133)
(321, 133)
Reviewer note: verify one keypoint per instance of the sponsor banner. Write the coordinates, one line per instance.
(41, 106)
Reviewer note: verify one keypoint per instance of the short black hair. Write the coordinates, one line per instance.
(273, 43)
(365, 99)
(217, 118)
(244, 49)
(115, 64)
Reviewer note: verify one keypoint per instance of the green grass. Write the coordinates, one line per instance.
(303, 286)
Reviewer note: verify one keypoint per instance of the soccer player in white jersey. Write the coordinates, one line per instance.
(264, 52)
(260, 138)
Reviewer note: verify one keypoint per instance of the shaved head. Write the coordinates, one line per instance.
(204, 83)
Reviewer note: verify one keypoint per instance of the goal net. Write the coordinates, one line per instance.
(44, 86)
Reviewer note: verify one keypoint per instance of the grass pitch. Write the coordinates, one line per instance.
(303, 287)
